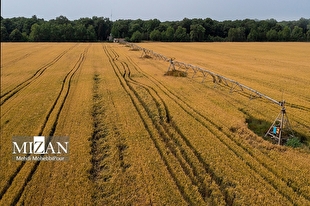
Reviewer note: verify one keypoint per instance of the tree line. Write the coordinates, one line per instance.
(61, 29)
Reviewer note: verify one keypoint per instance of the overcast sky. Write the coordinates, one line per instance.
(164, 10)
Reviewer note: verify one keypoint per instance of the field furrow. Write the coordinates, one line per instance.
(7, 95)
(189, 159)
(279, 185)
(48, 129)
(169, 159)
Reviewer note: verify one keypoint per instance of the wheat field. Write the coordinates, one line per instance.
(139, 137)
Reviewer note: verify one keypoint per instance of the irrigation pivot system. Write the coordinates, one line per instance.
(280, 130)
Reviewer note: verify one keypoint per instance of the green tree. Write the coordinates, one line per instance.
(151, 25)
(120, 28)
(80, 32)
(62, 20)
(134, 26)
(163, 36)
(236, 34)
(253, 35)
(209, 26)
(102, 27)
(91, 35)
(272, 35)
(45, 30)
(25, 37)
(187, 23)
(67, 32)
(136, 36)
(83, 29)
(197, 32)
(35, 33)
(303, 23)
(285, 34)
(169, 34)
(155, 35)
(4, 34)
(55, 34)
(180, 34)
(297, 34)
(40, 32)
(162, 27)
(16, 35)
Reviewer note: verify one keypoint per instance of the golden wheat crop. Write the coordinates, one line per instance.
(138, 137)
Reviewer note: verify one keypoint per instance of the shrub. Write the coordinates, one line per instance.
(293, 142)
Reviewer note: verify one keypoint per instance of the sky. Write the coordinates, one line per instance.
(164, 10)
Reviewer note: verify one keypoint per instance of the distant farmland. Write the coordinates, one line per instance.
(139, 137)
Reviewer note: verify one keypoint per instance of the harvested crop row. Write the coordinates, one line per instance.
(168, 158)
(24, 114)
(48, 128)
(258, 166)
(275, 69)
(138, 137)
(8, 91)
(147, 108)
(150, 129)
(273, 166)
(15, 53)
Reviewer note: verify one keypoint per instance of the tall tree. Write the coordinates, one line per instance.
(272, 35)
(4, 34)
(80, 33)
(186, 23)
(136, 36)
(253, 35)
(83, 29)
(102, 27)
(120, 28)
(155, 35)
(285, 34)
(62, 20)
(91, 34)
(236, 34)
(16, 35)
(169, 34)
(297, 34)
(68, 32)
(35, 34)
(180, 34)
(197, 32)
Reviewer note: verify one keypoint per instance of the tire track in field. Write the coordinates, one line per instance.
(188, 157)
(241, 151)
(7, 95)
(183, 156)
(48, 126)
(16, 60)
(142, 117)
(194, 164)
